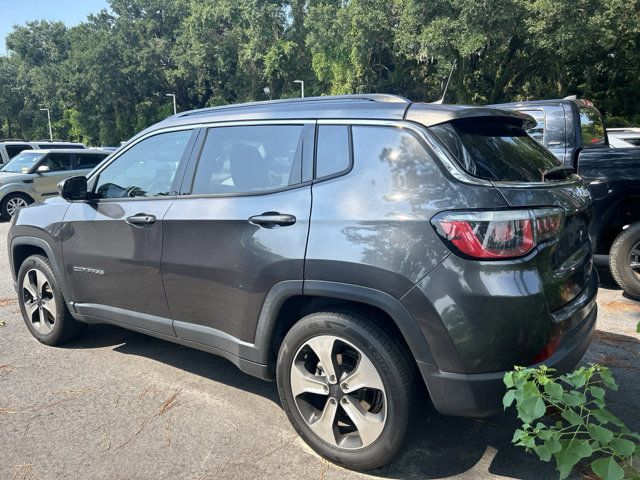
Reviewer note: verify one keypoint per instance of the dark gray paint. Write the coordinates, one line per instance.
(205, 272)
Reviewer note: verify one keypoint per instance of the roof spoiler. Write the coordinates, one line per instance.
(430, 115)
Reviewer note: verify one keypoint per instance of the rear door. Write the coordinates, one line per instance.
(238, 229)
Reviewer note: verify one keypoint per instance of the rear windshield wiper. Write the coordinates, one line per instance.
(554, 171)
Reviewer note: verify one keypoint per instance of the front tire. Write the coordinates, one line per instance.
(347, 387)
(12, 203)
(43, 308)
(624, 260)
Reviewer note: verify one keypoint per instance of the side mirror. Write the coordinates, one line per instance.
(43, 169)
(74, 188)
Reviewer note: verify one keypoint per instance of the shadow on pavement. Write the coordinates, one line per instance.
(439, 446)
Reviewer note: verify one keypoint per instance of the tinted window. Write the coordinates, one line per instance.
(495, 151)
(13, 150)
(84, 161)
(145, 170)
(22, 162)
(537, 132)
(592, 128)
(249, 159)
(57, 162)
(58, 146)
(333, 151)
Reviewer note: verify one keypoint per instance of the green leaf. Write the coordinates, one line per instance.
(622, 447)
(530, 409)
(573, 399)
(508, 398)
(508, 380)
(572, 417)
(597, 392)
(554, 445)
(543, 452)
(554, 390)
(570, 454)
(607, 469)
(607, 378)
(603, 435)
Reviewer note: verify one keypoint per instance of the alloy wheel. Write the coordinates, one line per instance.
(14, 204)
(338, 392)
(634, 258)
(39, 301)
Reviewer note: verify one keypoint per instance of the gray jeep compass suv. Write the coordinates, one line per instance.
(352, 248)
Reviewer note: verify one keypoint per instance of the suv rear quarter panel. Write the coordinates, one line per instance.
(371, 227)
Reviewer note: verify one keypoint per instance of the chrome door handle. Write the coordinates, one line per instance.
(141, 220)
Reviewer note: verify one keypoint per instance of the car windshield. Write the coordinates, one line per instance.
(22, 162)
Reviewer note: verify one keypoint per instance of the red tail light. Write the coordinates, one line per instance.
(498, 234)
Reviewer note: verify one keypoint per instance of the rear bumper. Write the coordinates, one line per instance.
(480, 395)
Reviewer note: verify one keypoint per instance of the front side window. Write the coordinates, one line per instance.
(252, 158)
(85, 161)
(592, 128)
(537, 132)
(333, 154)
(147, 169)
(57, 162)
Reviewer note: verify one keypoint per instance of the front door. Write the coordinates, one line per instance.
(60, 167)
(240, 229)
(112, 244)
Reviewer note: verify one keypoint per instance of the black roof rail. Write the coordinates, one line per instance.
(55, 140)
(367, 97)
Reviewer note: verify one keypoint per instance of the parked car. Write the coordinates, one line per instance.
(574, 131)
(624, 137)
(33, 175)
(10, 149)
(353, 248)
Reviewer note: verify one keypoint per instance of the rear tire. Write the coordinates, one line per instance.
(43, 308)
(380, 397)
(624, 260)
(12, 203)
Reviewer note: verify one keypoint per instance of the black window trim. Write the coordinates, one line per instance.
(341, 173)
(94, 175)
(308, 130)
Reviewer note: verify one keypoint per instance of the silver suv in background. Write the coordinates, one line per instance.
(33, 175)
(10, 149)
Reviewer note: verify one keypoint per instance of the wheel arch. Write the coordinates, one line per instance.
(23, 247)
(289, 301)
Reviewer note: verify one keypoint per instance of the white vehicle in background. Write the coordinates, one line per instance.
(33, 175)
(11, 148)
(624, 137)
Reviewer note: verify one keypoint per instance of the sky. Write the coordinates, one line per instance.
(71, 12)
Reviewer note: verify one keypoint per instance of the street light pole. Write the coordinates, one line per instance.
(49, 121)
(174, 102)
(301, 82)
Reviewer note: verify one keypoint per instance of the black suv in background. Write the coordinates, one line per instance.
(574, 131)
(350, 247)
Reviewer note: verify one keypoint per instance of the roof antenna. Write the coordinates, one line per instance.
(446, 87)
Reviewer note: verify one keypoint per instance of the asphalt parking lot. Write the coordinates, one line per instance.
(118, 404)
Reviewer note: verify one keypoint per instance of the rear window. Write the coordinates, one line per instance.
(592, 128)
(13, 150)
(496, 151)
(57, 146)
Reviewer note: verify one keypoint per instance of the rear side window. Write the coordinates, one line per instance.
(13, 150)
(333, 154)
(248, 159)
(592, 128)
(88, 161)
(58, 162)
(58, 146)
(495, 150)
(537, 132)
